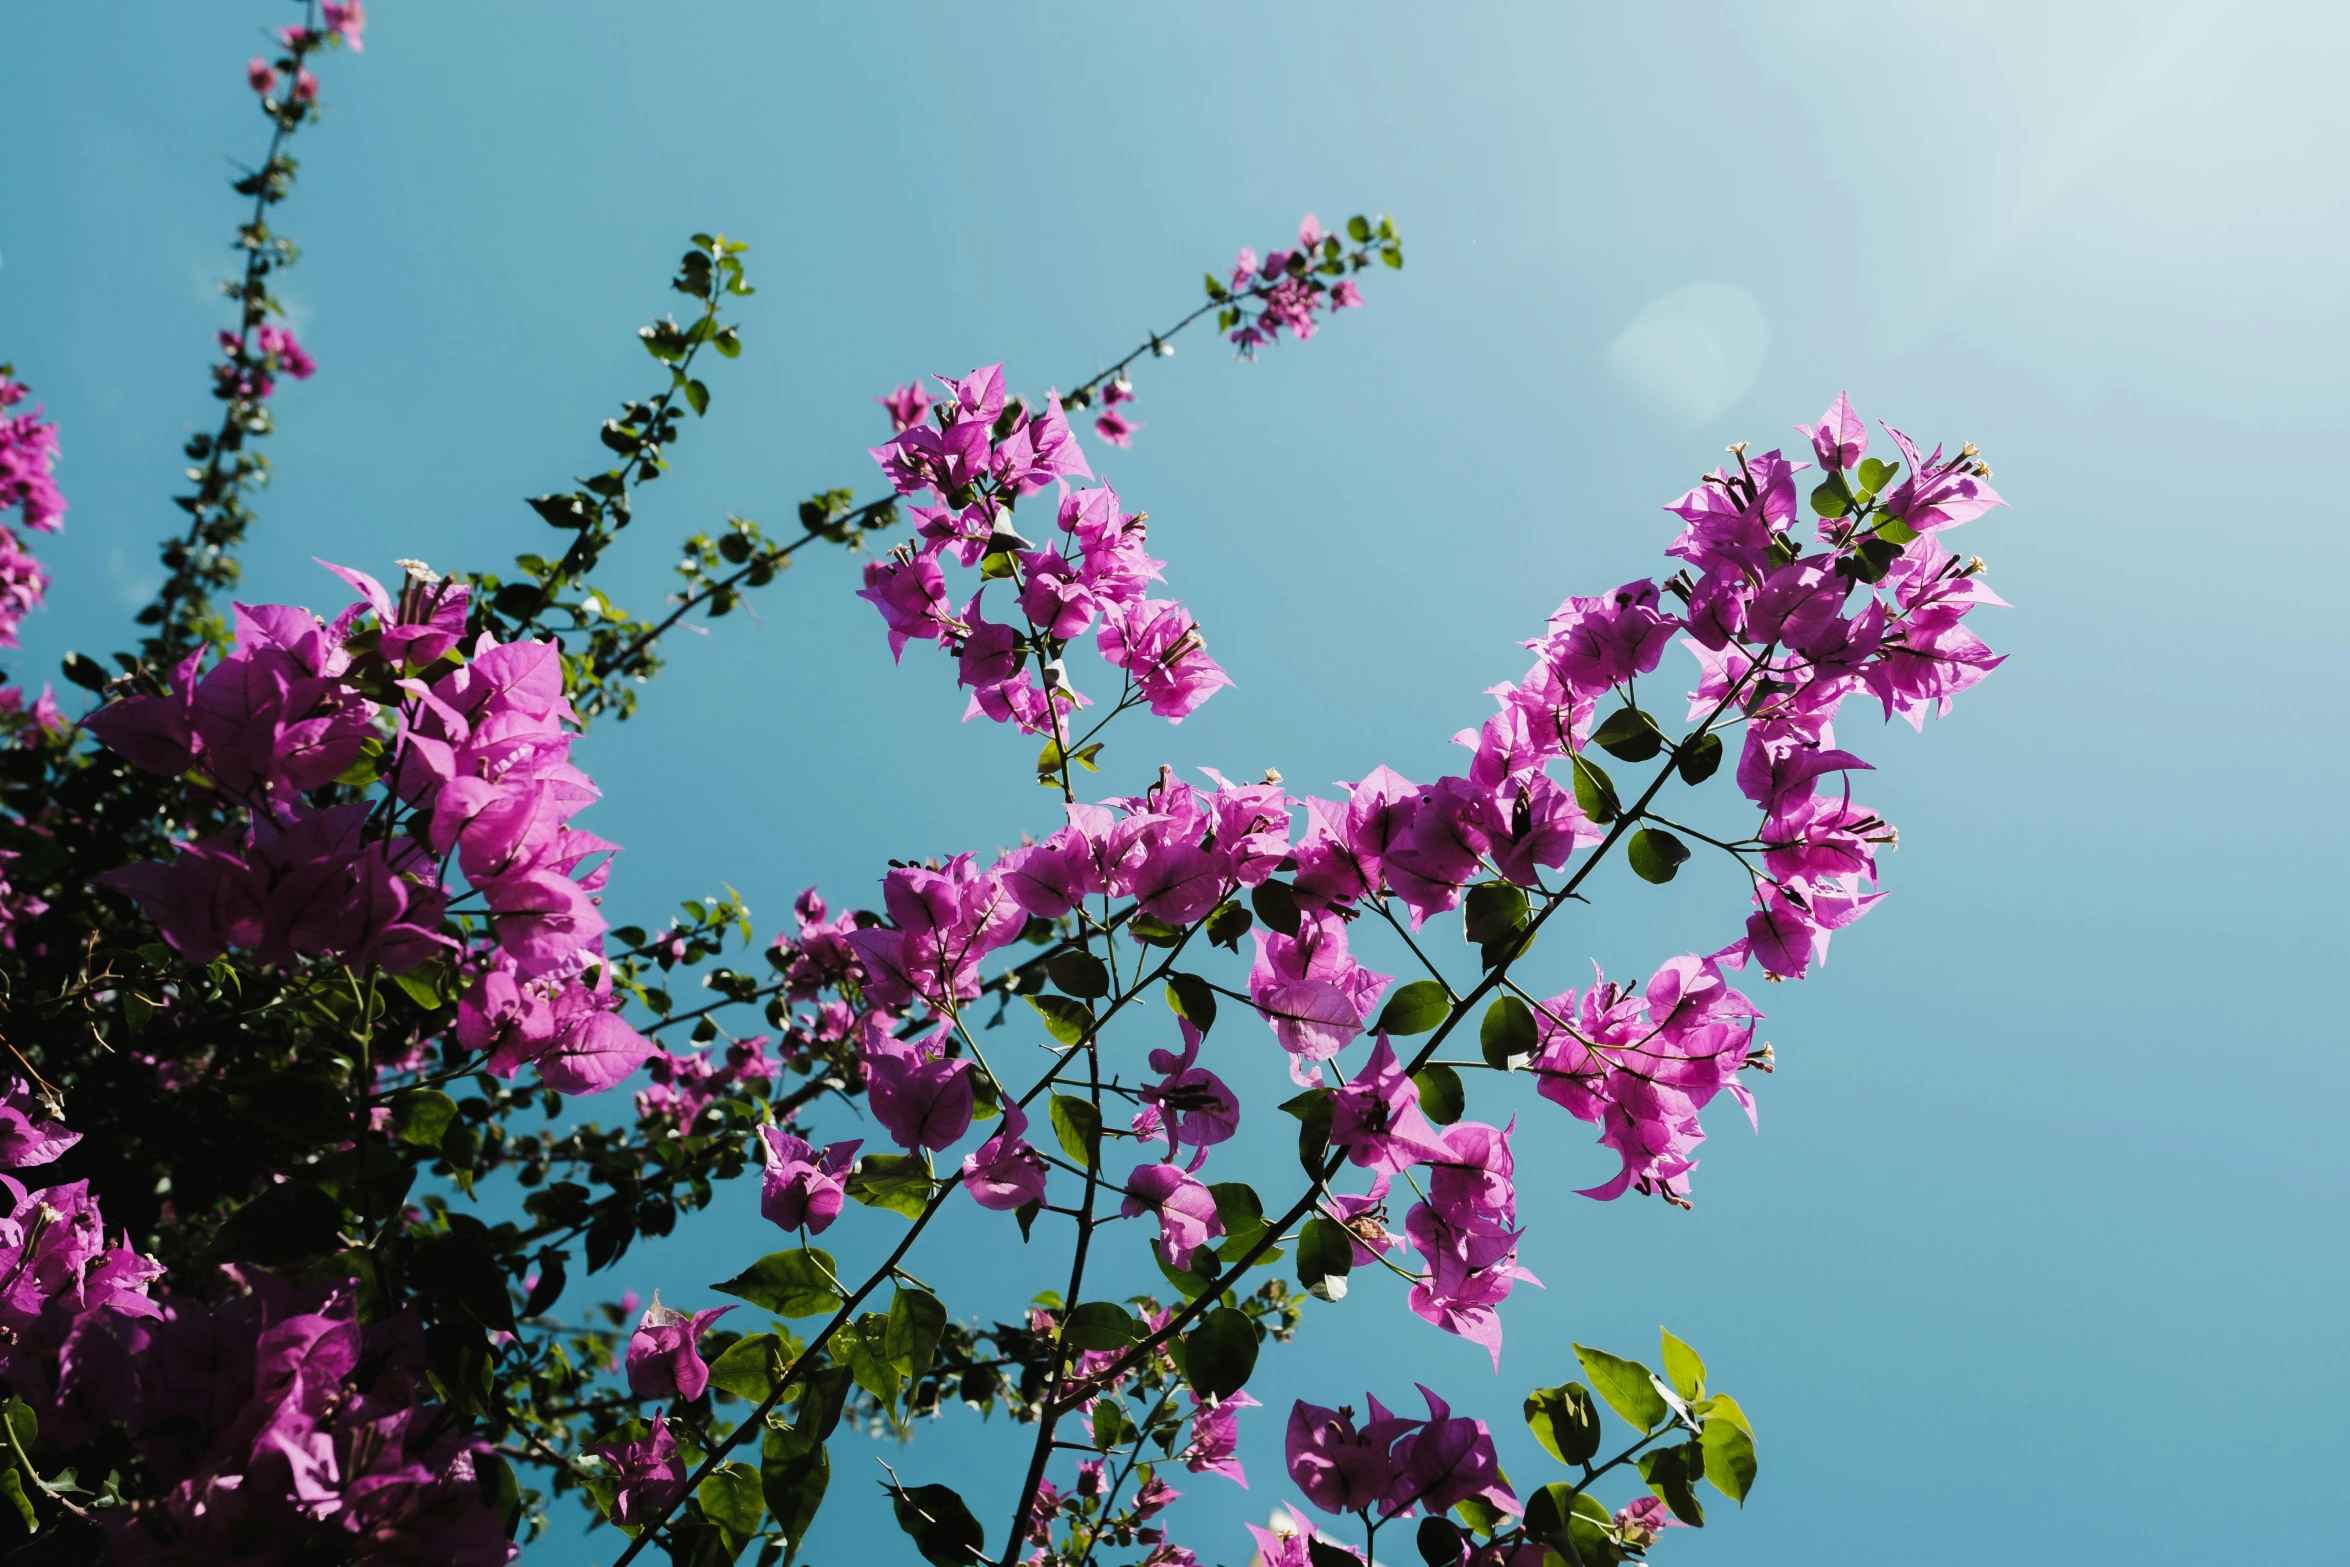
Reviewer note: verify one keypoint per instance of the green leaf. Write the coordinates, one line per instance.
(1656, 855)
(1080, 974)
(13, 1489)
(747, 1369)
(1583, 1522)
(1189, 997)
(1220, 1352)
(1629, 735)
(1100, 1324)
(943, 1529)
(1240, 1210)
(864, 1344)
(1697, 760)
(84, 671)
(1723, 1406)
(793, 1475)
(1066, 1020)
(1191, 1285)
(1077, 1123)
(1672, 1473)
(1276, 905)
(796, 1283)
(917, 1318)
(1595, 794)
(22, 1422)
(1441, 1098)
(1493, 910)
(729, 1495)
(1627, 1385)
(1152, 931)
(420, 985)
(1415, 1008)
(1894, 531)
(1481, 1515)
(421, 1116)
(898, 1182)
(1358, 229)
(1565, 1422)
(1683, 1368)
(1729, 1457)
(1228, 924)
(1507, 1036)
(1325, 1256)
(1216, 288)
(1111, 1428)
(1440, 1541)
(1829, 499)
(1871, 559)
(1875, 475)
(1313, 1111)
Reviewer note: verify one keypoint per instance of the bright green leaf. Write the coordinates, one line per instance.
(1683, 1368)
(1441, 1098)
(1565, 1422)
(1656, 855)
(1627, 1385)
(1729, 1457)
(1507, 1036)
(795, 1283)
(1077, 1123)
(1415, 1008)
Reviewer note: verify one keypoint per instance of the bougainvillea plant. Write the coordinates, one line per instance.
(315, 1018)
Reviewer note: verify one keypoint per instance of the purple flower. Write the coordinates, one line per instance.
(1005, 1172)
(1840, 439)
(1160, 647)
(345, 19)
(907, 406)
(1186, 1210)
(648, 1475)
(922, 1099)
(1312, 991)
(1445, 1460)
(1376, 1117)
(802, 1189)
(1115, 428)
(664, 1358)
(1341, 1469)
(27, 1137)
(1215, 1437)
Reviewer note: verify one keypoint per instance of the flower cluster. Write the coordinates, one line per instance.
(346, 23)
(1287, 289)
(1780, 636)
(284, 1430)
(1392, 1464)
(1643, 1066)
(472, 745)
(976, 455)
(28, 457)
(60, 1277)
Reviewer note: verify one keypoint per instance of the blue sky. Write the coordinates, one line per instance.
(2040, 1248)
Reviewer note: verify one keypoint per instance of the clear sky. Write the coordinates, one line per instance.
(2039, 1254)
